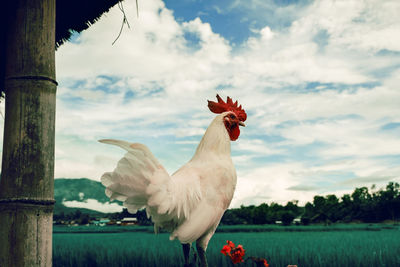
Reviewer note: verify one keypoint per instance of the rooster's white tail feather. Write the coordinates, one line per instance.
(140, 181)
(133, 175)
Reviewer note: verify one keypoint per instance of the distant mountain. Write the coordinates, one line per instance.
(84, 194)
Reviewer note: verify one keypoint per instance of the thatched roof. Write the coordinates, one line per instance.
(71, 16)
(78, 15)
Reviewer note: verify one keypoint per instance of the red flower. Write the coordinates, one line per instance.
(260, 262)
(226, 250)
(237, 254)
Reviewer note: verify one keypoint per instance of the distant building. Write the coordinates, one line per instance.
(101, 222)
(129, 221)
(297, 221)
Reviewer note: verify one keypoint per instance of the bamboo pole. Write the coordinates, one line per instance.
(26, 185)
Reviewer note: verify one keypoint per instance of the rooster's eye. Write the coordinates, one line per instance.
(232, 116)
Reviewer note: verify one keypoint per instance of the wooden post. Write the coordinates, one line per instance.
(26, 185)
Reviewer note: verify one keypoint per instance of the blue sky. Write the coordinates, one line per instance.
(319, 81)
(235, 20)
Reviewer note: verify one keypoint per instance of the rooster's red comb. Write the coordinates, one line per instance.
(221, 107)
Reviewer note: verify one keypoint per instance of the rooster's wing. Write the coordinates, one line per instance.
(140, 181)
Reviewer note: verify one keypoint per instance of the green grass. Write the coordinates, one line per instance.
(341, 245)
(114, 249)
(232, 228)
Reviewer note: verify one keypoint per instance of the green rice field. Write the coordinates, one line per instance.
(308, 246)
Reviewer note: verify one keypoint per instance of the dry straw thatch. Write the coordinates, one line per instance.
(71, 16)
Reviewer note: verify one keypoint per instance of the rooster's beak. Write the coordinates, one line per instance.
(242, 124)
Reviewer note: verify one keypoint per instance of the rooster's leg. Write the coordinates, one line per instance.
(202, 255)
(186, 253)
(201, 245)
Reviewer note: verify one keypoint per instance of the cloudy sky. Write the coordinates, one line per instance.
(319, 81)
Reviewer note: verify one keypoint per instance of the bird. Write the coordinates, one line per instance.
(191, 202)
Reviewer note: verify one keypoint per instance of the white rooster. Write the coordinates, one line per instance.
(190, 202)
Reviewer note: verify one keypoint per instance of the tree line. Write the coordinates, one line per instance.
(362, 205)
(81, 217)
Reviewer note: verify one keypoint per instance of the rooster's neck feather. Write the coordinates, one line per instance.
(215, 140)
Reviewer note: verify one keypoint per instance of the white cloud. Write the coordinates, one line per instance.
(346, 137)
(255, 147)
(93, 204)
(269, 184)
(284, 58)
(159, 85)
(282, 182)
